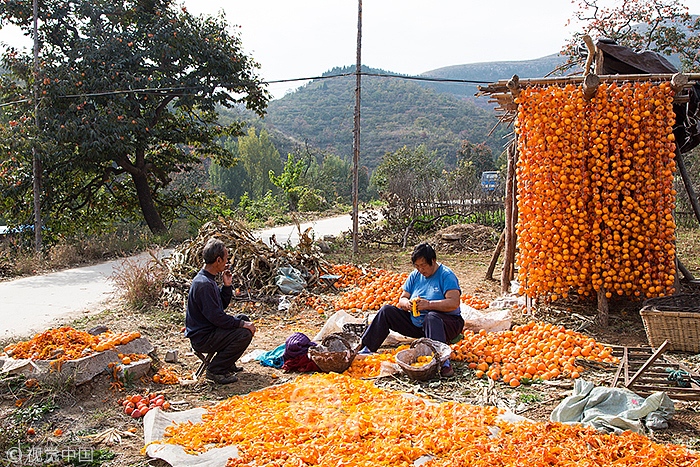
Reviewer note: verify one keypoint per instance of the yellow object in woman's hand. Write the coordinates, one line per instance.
(415, 308)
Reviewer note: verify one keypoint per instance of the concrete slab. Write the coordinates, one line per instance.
(83, 369)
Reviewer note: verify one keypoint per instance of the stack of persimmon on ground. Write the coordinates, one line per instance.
(138, 405)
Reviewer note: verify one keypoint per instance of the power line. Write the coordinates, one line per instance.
(382, 75)
(312, 78)
(111, 93)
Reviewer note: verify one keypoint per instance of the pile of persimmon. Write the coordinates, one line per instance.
(328, 420)
(66, 343)
(109, 340)
(137, 405)
(474, 302)
(129, 358)
(533, 350)
(385, 289)
(595, 190)
(314, 302)
(167, 375)
(369, 366)
(349, 275)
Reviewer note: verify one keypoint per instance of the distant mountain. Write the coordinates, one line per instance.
(395, 112)
(489, 72)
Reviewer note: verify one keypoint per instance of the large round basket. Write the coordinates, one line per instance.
(419, 348)
(336, 352)
(675, 318)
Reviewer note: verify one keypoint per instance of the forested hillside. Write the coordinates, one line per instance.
(394, 113)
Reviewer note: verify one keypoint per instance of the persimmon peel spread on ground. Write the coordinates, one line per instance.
(332, 420)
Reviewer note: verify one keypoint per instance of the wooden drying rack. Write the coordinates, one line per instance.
(504, 92)
(645, 371)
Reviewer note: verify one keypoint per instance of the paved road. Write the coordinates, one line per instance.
(321, 228)
(32, 304)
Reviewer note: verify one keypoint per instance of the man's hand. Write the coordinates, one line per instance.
(421, 303)
(227, 277)
(248, 325)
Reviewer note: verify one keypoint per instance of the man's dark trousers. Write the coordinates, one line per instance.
(436, 325)
(229, 345)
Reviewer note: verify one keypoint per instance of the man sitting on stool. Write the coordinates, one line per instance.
(435, 290)
(207, 326)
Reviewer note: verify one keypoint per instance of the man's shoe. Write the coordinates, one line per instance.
(447, 371)
(365, 351)
(219, 378)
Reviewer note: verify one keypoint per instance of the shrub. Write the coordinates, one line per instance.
(311, 201)
(140, 281)
(63, 254)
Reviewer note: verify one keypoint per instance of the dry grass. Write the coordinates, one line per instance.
(140, 281)
(688, 248)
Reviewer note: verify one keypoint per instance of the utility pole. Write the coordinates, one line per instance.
(36, 162)
(356, 134)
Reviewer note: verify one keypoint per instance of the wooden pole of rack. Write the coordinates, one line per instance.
(496, 254)
(510, 227)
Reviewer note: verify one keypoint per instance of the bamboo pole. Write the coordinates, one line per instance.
(502, 85)
(514, 214)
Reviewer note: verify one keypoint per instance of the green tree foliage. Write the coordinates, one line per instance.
(395, 113)
(479, 155)
(254, 157)
(231, 181)
(259, 157)
(129, 96)
(409, 173)
(664, 26)
(289, 179)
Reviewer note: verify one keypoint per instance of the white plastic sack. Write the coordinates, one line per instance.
(335, 324)
(289, 280)
(490, 320)
(394, 339)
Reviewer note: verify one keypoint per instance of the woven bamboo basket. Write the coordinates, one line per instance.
(676, 319)
(336, 352)
(419, 348)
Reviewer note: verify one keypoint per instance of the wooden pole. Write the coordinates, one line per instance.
(524, 82)
(496, 254)
(510, 228)
(688, 183)
(603, 309)
(590, 86)
(591, 54)
(36, 161)
(356, 134)
(514, 214)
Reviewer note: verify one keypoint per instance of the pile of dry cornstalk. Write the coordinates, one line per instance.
(254, 264)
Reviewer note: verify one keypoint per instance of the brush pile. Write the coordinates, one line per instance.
(254, 264)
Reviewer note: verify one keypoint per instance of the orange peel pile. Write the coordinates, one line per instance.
(328, 420)
(63, 344)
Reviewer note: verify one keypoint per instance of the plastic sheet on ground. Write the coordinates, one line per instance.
(490, 319)
(154, 424)
(613, 409)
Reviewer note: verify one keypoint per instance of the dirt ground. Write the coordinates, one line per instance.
(92, 408)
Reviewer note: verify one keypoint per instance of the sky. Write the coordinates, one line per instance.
(305, 38)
